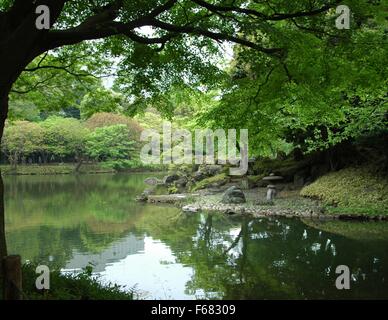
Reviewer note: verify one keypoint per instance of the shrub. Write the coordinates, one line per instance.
(82, 286)
(355, 190)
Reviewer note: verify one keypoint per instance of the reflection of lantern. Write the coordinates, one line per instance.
(271, 192)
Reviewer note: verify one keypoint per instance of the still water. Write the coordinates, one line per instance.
(68, 222)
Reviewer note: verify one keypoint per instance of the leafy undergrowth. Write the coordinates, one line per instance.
(83, 286)
(356, 190)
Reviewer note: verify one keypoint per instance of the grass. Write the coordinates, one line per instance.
(69, 168)
(52, 169)
(355, 190)
(83, 286)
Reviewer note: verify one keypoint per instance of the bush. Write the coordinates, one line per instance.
(83, 286)
(351, 190)
(110, 144)
(105, 119)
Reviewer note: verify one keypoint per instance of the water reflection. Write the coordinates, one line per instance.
(68, 222)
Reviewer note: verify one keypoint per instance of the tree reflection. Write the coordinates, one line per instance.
(231, 257)
(270, 258)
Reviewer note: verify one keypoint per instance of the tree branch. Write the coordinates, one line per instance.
(101, 25)
(63, 68)
(213, 35)
(35, 86)
(257, 14)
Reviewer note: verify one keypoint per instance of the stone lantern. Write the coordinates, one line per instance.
(271, 188)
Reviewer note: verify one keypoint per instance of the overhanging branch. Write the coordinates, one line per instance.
(257, 14)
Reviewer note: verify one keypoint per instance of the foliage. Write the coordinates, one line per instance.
(21, 139)
(323, 92)
(50, 87)
(64, 136)
(102, 100)
(313, 90)
(108, 138)
(23, 109)
(82, 286)
(351, 190)
(104, 119)
(172, 190)
(111, 144)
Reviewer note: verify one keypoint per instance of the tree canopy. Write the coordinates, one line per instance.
(295, 80)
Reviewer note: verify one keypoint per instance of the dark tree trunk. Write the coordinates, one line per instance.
(79, 164)
(3, 242)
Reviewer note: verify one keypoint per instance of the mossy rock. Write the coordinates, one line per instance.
(215, 181)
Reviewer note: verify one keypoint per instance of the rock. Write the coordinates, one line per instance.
(181, 182)
(190, 208)
(233, 195)
(170, 179)
(210, 169)
(167, 198)
(230, 212)
(198, 176)
(144, 195)
(299, 180)
(264, 203)
(152, 181)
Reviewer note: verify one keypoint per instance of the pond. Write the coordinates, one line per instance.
(68, 222)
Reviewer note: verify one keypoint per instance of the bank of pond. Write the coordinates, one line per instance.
(91, 226)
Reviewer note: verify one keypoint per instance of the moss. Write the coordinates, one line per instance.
(218, 179)
(172, 190)
(355, 190)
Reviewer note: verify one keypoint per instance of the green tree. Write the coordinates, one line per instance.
(23, 109)
(330, 88)
(104, 119)
(21, 139)
(101, 100)
(112, 145)
(64, 137)
(52, 84)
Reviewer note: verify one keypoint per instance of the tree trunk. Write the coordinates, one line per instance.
(3, 242)
(79, 164)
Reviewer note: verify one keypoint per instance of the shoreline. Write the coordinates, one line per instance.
(240, 210)
(289, 204)
(67, 169)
